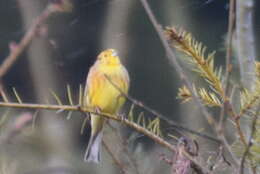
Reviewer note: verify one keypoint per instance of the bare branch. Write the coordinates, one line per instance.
(249, 144)
(231, 25)
(161, 116)
(26, 40)
(15, 52)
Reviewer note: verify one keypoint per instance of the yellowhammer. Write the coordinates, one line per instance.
(102, 95)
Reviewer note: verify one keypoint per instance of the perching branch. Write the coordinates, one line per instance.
(61, 108)
(161, 116)
(117, 118)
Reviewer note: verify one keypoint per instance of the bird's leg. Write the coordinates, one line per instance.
(87, 116)
(97, 109)
(81, 109)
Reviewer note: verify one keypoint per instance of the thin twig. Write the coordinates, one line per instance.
(231, 24)
(236, 119)
(239, 131)
(161, 116)
(39, 106)
(52, 7)
(16, 128)
(3, 93)
(116, 161)
(175, 63)
(173, 59)
(249, 144)
(220, 159)
(26, 40)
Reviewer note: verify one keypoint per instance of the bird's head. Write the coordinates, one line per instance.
(109, 57)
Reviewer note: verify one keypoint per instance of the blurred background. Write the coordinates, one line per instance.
(62, 55)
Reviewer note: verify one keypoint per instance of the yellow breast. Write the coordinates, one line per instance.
(101, 93)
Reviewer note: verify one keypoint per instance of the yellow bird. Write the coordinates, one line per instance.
(102, 95)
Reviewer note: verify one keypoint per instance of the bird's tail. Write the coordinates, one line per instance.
(93, 149)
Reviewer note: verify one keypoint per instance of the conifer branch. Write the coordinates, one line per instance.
(215, 74)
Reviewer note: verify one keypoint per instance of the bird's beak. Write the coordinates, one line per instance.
(114, 53)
